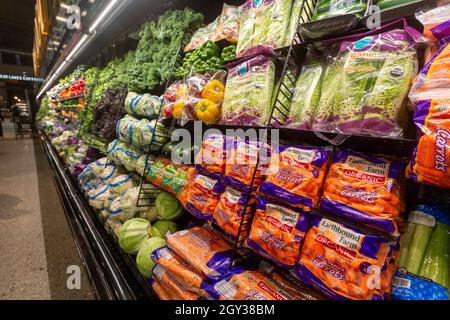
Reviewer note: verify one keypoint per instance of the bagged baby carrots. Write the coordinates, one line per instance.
(364, 189)
(229, 211)
(277, 232)
(340, 262)
(184, 273)
(173, 288)
(182, 189)
(162, 292)
(203, 249)
(242, 162)
(213, 155)
(242, 284)
(296, 175)
(203, 195)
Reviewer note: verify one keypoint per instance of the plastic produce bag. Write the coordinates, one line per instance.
(341, 262)
(242, 163)
(214, 154)
(277, 232)
(423, 272)
(297, 17)
(121, 184)
(142, 105)
(123, 154)
(306, 96)
(430, 163)
(332, 8)
(98, 196)
(204, 250)
(243, 284)
(203, 196)
(430, 93)
(175, 288)
(248, 92)
(365, 86)
(180, 269)
(229, 210)
(436, 26)
(365, 189)
(116, 213)
(296, 175)
(227, 27)
(263, 25)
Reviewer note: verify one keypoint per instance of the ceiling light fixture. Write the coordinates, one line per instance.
(102, 15)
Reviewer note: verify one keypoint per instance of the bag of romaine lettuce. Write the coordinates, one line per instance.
(263, 26)
(248, 92)
(306, 96)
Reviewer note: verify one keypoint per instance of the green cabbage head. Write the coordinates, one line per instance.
(143, 261)
(168, 207)
(133, 233)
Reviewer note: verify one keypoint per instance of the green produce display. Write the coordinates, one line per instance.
(143, 261)
(158, 45)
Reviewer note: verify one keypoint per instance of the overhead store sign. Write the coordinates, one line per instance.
(20, 78)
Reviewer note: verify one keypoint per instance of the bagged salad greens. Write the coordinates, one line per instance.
(306, 96)
(364, 87)
(263, 25)
(332, 8)
(248, 91)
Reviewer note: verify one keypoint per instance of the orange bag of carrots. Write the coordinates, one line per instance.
(203, 194)
(203, 249)
(340, 262)
(183, 189)
(174, 289)
(365, 189)
(229, 211)
(296, 175)
(277, 232)
(243, 284)
(213, 155)
(242, 163)
(179, 268)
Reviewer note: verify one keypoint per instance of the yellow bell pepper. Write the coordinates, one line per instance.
(207, 111)
(214, 91)
(178, 109)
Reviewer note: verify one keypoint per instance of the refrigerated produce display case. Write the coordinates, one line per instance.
(318, 161)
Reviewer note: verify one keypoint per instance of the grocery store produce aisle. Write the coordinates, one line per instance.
(36, 245)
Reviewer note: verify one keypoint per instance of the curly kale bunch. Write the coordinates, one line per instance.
(158, 46)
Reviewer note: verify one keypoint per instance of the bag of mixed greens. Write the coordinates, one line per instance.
(263, 26)
(422, 272)
(248, 92)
